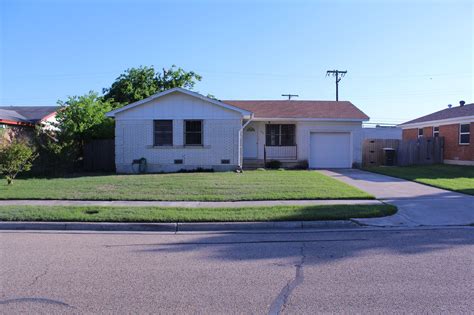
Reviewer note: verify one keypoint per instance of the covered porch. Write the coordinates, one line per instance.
(265, 141)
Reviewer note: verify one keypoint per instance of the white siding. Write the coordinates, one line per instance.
(134, 135)
(303, 130)
(178, 106)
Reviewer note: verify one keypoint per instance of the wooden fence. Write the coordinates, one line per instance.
(407, 152)
(99, 155)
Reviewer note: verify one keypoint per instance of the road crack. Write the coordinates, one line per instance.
(281, 301)
(44, 273)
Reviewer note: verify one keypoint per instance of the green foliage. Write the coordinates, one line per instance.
(136, 84)
(167, 214)
(15, 158)
(82, 118)
(54, 156)
(176, 77)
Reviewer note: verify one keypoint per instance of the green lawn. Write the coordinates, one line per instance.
(451, 177)
(230, 186)
(155, 214)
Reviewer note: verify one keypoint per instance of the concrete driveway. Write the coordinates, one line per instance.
(418, 205)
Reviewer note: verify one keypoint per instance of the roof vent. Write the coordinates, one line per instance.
(449, 105)
(461, 103)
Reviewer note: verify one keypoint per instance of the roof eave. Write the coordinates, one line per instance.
(17, 123)
(244, 112)
(455, 120)
(310, 119)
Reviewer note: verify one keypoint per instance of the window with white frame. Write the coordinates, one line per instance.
(420, 132)
(464, 133)
(435, 132)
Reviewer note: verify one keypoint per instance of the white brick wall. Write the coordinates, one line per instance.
(134, 140)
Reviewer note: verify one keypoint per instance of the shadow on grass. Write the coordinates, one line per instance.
(166, 215)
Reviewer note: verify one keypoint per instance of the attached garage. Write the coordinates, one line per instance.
(330, 150)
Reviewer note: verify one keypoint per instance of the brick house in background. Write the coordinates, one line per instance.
(455, 124)
(19, 122)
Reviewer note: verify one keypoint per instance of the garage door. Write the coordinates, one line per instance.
(330, 150)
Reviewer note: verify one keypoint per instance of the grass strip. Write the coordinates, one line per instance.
(163, 214)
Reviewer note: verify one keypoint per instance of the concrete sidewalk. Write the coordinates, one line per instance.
(418, 205)
(187, 204)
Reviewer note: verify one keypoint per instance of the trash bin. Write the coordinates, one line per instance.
(389, 156)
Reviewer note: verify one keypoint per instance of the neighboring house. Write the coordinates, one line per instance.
(179, 129)
(20, 121)
(455, 124)
(27, 116)
(382, 132)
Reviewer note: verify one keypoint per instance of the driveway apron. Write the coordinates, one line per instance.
(418, 205)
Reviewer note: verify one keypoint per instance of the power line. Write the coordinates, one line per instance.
(336, 73)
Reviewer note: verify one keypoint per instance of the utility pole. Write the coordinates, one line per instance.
(290, 96)
(336, 73)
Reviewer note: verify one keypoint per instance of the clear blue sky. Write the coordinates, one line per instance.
(404, 58)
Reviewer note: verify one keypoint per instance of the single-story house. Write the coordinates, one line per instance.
(19, 121)
(180, 129)
(455, 124)
(27, 116)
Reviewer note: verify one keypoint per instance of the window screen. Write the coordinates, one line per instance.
(193, 132)
(163, 132)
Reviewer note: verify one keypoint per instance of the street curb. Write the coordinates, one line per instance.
(272, 225)
(177, 227)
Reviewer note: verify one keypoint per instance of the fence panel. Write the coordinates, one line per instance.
(408, 152)
(99, 155)
(373, 153)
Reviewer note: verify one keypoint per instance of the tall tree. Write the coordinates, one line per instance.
(136, 84)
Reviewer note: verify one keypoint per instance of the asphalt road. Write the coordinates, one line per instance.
(387, 271)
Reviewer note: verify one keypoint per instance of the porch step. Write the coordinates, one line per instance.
(253, 164)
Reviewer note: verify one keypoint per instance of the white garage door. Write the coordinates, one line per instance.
(330, 150)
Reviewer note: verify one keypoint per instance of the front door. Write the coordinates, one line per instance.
(250, 143)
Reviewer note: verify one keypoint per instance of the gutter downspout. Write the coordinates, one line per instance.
(241, 144)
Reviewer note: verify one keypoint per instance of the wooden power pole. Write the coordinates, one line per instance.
(339, 75)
